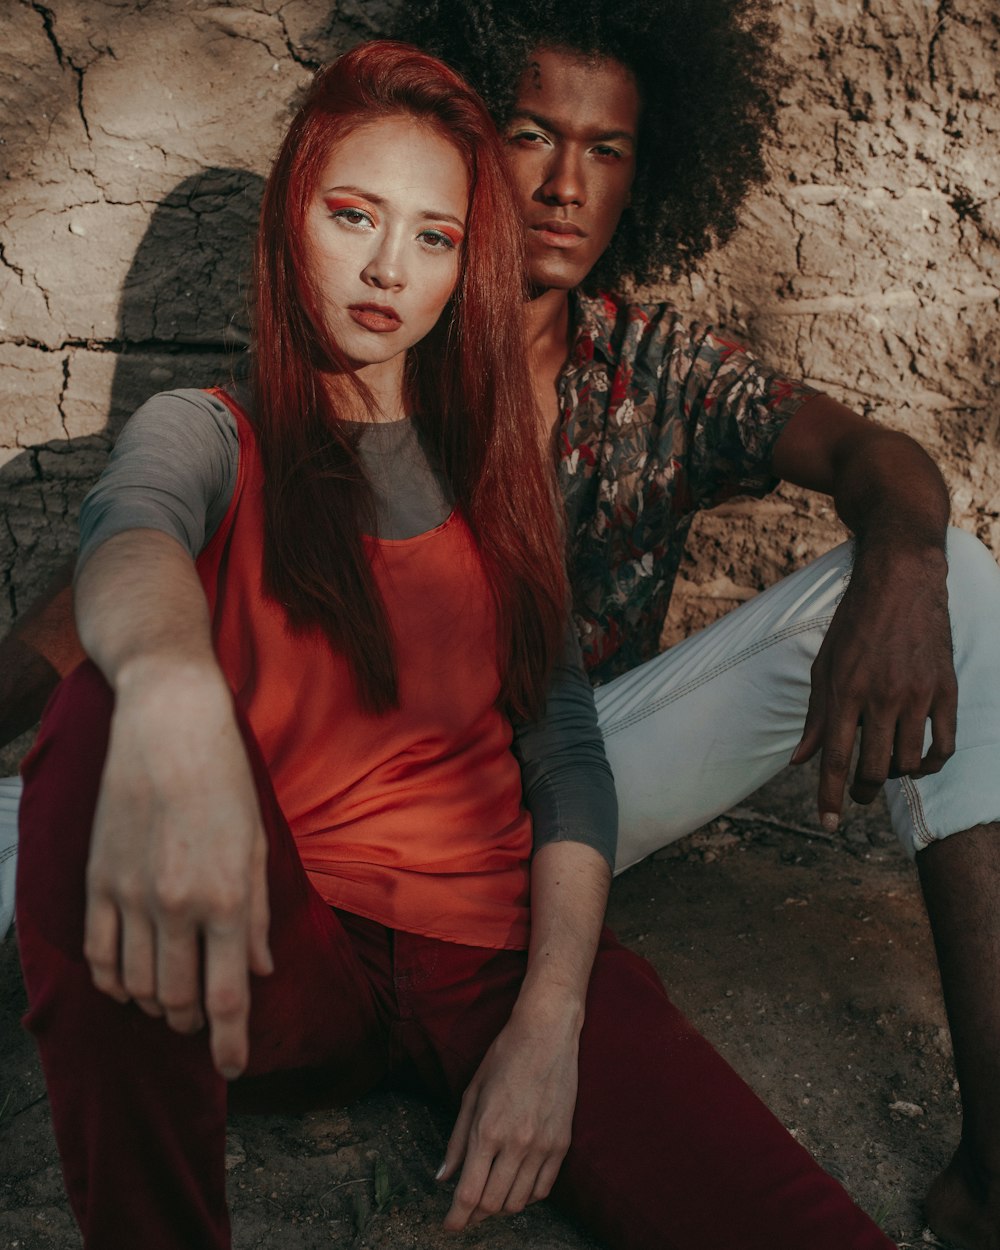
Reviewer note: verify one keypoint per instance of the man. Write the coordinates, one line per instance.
(633, 135)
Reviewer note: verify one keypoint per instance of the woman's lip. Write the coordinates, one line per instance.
(372, 317)
(558, 238)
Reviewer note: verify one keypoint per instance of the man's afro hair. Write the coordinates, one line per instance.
(708, 78)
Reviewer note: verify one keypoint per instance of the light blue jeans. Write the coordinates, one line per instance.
(695, 730)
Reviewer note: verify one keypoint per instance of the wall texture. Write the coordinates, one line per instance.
(135, 134)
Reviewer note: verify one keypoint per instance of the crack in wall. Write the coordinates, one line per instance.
(24, 280)
(298, 57)
(943, 14)
(128, 347)
(62, 395)
(65, 61)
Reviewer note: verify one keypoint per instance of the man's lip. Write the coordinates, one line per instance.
(557, 233)
(379, 318)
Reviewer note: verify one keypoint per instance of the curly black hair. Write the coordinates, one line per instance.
(708, 78)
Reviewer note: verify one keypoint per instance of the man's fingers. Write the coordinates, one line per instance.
(812, 730)
(908, 752)
(101, 947)
(943, 725)
(835, 764)
(227, 997)
(874, 758)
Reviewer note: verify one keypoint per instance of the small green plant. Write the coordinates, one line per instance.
(385, 1191)
(884, 1212)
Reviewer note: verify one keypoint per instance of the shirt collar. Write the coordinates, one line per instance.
(594, 318)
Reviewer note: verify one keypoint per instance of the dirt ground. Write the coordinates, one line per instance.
(805, 959)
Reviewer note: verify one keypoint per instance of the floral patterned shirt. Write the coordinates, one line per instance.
(659, 419)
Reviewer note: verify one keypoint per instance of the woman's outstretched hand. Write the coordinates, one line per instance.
(176, 886)
(177, 912)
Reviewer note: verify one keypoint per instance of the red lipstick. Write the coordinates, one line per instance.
(379, 318)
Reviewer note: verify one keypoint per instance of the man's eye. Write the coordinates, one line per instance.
(529, 138)
(611, 153)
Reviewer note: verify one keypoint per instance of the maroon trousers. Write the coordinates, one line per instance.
(671, 1150)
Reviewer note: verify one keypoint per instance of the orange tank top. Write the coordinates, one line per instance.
(412, 818)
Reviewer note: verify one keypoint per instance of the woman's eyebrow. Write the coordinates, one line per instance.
(426, 214)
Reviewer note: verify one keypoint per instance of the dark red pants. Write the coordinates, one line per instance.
(671, 1151)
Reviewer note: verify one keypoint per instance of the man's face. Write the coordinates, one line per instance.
(571, 143)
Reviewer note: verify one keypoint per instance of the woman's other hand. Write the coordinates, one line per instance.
(515, 1122)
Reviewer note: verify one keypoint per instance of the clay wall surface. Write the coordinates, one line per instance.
(135, 135)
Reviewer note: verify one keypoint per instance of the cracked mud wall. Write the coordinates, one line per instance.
(135, 134)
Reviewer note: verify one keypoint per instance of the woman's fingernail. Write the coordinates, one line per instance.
(830, 821)
(440, 1172)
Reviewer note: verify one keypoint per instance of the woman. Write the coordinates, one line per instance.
(359, 587)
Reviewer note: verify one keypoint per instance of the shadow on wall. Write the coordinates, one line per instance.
(182, 321)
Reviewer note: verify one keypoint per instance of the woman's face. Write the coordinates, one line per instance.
(383, 235)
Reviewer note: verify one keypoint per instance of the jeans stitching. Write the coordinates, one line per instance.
(789, 631)
(921, 830)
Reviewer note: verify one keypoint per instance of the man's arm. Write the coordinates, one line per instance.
(514, 1126)
(886, 661)
(176, 885)
(40, 650)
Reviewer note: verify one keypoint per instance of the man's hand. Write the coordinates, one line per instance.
(176, 884)
(886, 666)
(514, 1126)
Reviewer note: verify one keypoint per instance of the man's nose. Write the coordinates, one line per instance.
(564, 179)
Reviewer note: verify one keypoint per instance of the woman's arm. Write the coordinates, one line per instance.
(176, 886)
(565, 775)
(514, 1126)
(176, 874)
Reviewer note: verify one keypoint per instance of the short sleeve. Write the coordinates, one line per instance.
(735, 409)
(172, 469)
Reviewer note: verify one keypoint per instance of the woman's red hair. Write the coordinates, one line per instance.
(469, 386)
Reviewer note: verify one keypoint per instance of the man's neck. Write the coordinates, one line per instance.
(546, 324)
(547, 329)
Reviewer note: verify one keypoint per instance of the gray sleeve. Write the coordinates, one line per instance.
(567, 780)
(172, 469)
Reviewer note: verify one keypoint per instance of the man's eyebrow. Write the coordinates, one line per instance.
(426, 214)
(546, 123)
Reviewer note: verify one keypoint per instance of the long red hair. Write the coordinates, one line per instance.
(468, 383)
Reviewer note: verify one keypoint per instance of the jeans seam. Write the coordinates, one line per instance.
(922, 835)
(788, 631)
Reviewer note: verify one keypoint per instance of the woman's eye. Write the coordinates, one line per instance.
(436, 240)
(352, 216)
